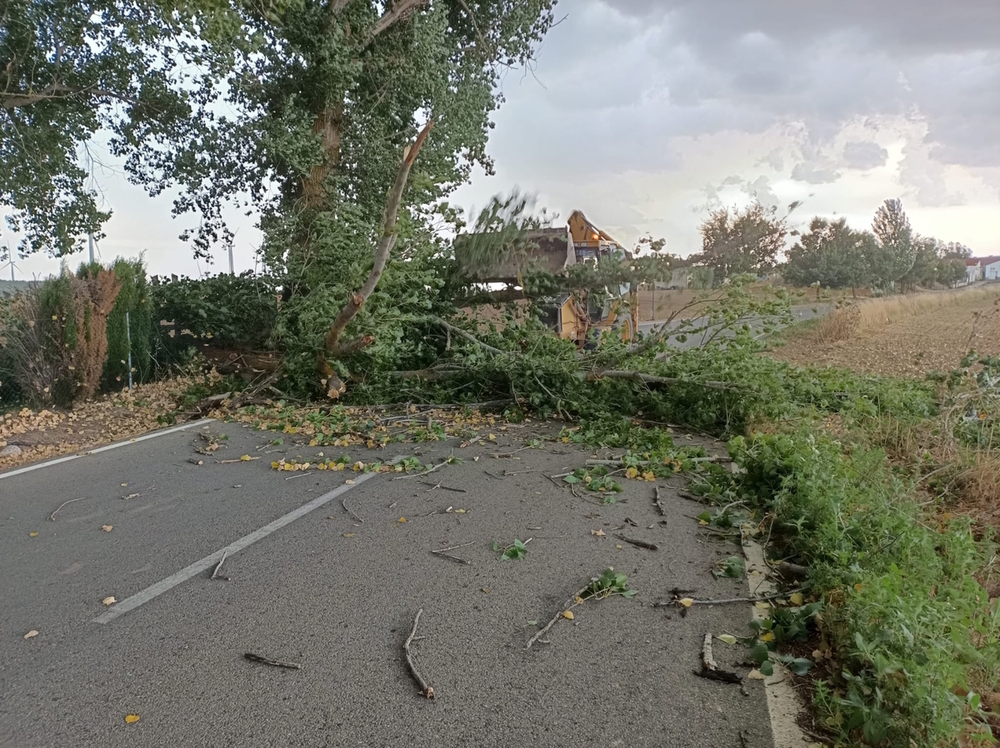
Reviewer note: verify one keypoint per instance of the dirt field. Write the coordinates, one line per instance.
(933, 340)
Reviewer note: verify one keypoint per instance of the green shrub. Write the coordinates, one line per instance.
(133, 300)
(223, 310)
(910, 624)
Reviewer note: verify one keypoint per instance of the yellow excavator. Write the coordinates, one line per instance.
(573, 316)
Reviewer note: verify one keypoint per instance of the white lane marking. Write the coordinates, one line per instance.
(131, 603)
(144, 437)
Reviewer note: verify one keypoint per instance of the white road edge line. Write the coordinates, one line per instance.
(131, 603)
(68, 458)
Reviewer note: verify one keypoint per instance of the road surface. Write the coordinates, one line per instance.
(311, 585)
(800, 313)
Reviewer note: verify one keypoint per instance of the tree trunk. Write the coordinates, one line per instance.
(332, 345)
(329, 125)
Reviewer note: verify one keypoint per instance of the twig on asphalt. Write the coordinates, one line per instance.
(218, 566)
(425, 688)
(273, 663)
(298, 475)
(348, 510)
(570, 604)
(444, 552)
(657, 502)
(443, 488)
(727, 601)
(52, 516)
(238, 459)
(638, 543)
(708, 667)
(425, 472)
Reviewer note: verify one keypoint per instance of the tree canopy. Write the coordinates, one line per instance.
(742, 240)
(831, 254)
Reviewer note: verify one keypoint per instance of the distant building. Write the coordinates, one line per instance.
(973, 270)
(991, 268)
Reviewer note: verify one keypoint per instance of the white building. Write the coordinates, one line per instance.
(991, 268)
(973, 270)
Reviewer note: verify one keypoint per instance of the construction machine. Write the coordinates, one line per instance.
(579, 316)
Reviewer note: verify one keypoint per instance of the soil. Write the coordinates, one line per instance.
(934, 341)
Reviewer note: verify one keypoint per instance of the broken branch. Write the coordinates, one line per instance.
(638, 543)
(52, 517)
(218, 566)
(273, 663)
(331, 343)
(425, 688)
(708, 667)
(657, 502)
(570, 604)
(348, 510)
(464, 335)
(727, 601)
(638, 376)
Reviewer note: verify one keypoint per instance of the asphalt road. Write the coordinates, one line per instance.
(800, 313)
(339, 597)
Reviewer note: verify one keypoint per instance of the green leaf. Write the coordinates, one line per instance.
(571, 479)
(759, 653)
(767, 668)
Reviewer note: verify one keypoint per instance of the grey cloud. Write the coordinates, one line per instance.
(760, 189)
(827, 63)
(805, 172)
(865, 155)
(774, 159)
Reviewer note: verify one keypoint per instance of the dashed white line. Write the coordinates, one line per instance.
(154, 590)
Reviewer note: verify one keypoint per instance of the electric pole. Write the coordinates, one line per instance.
(90, 241)
(231, 271)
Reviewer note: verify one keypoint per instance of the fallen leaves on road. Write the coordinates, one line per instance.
(109, 600)
(727, 638)
(131, 719)
(33, 534)
(50, 432)
(796, 599)
(107, 528)
(31, 634)
(568, 615)
(687, 602)
(597, 533)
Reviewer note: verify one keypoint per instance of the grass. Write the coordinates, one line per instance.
(871, 315)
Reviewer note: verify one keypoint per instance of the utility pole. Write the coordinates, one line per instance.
(231, 271)
(90, 241)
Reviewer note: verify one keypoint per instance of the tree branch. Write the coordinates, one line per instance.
(464, 335)
(638, 376)
(392, 16)
(57, 91)
(331, 343)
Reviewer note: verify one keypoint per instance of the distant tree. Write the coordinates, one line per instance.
(831, 254)
(926, 262)
(893, 256)
(951, 262)
(742, 241)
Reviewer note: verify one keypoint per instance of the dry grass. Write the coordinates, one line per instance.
(873, 315)
(903, 336)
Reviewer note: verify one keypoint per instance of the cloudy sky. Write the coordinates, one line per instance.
(645, 114)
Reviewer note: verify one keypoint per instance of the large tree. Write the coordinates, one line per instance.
(831, 253)
(895, 253)
(742, 241)
(70, 69)
(309, 113)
